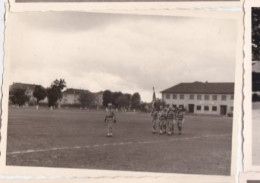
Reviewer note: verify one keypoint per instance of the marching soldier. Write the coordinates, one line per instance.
(154, 115)
(180, 118)
(110, 119)
(171, 120)
(162, 120)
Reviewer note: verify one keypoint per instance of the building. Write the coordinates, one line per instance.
(29, 88)
(201, 98)
(71, 97)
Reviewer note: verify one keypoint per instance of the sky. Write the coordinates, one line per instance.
(128, 53)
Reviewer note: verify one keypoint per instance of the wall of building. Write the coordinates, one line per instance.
(211, 102)
(70, 99)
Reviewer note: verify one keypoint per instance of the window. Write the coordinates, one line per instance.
(198, 108)
(214, 97)
(167, 96)
(231, 108)
(214, 108)
(199, 97)
(206, 108)
(223, 97)
(206, 97)
(232, 97)
(181, 96)
(191, 97)
(174, 96)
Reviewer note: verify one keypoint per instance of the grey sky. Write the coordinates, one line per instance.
(120, 52)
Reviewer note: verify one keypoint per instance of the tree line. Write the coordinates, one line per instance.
(87, 99)
(122, 100)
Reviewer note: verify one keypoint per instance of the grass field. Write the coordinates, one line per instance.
(256, 134)
(76, 139)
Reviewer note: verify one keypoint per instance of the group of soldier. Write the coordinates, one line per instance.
(166, 118)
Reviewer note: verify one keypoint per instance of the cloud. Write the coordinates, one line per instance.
(120, 52)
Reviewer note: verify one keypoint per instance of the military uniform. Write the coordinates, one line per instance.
(180, 119)
(110, 119)
(154, 115)
(171, 117)
(162, 120)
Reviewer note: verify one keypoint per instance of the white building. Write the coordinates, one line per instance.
(71, 97)
(201, 98)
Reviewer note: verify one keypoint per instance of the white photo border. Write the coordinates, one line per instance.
(140, 176)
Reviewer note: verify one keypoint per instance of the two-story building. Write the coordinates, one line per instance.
(201, 97)
(29, 88)
(71, 97)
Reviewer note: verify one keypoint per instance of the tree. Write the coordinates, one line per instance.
(135, 101)
(128, 97)
(59, 85)
(116, 95)
(53, 96)
(86, 99)
(107, 97)
(54, 93)
(39, 93)
(18, 96)
(121, 101)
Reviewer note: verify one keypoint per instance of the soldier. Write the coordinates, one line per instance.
(110, 119)
(154, 115)
(162, 119)
(171, 116)
(180, 118)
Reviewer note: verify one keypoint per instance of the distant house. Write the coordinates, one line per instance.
(29, 88)
(201, 98)
(71, 97)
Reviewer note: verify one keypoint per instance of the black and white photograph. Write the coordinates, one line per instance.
(140, 93)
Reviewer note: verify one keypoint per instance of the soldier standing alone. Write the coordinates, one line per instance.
(110, 119)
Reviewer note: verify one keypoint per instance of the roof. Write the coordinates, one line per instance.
(203, 88)
(78, 91)
(22, 86)
(74, 91)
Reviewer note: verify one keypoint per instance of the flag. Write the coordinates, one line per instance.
(154, 99)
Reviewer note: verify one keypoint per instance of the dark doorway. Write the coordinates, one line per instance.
(223, 110)
(191, 108)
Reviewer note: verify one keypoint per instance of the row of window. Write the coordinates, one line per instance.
(207, 108)
(199, 97)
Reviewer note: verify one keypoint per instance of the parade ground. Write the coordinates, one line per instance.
(77, 139)
(256, 134)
